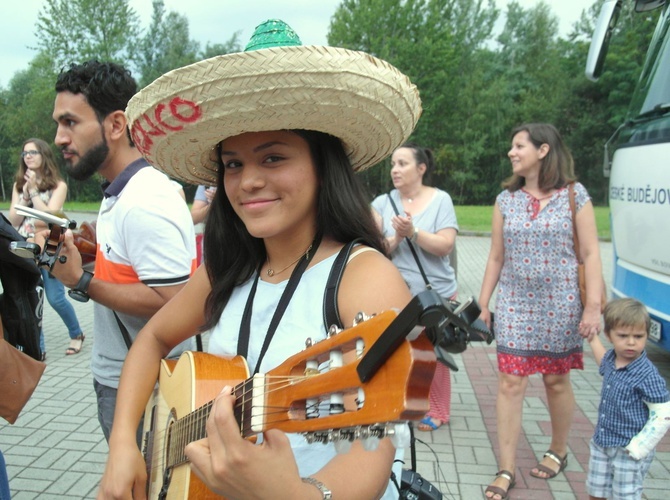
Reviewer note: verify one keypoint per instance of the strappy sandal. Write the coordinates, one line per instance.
(427, 424)
(497, 490)
(75, 345)
(562, 464)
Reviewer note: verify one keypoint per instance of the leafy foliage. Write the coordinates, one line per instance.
(166, 45)
(477, 82)
(79, 30)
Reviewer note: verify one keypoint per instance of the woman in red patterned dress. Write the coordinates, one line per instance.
(540, 322)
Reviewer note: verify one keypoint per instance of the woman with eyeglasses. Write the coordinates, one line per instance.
(38, 185)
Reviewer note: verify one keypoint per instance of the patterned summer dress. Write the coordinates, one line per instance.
(27, 227)
(538, 308)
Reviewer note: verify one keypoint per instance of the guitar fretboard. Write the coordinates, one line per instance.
(192, 426)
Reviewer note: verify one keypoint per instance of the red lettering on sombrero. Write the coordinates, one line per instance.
(179, 110)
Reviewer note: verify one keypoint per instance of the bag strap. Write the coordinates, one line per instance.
(573, 209)
(129, 341)
(411, 247)
(331, 312)
(124, 331)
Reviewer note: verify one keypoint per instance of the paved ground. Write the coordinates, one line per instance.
(56, 449)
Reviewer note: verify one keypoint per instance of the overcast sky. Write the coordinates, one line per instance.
(214, 21)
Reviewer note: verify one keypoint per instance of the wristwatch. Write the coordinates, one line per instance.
(326, 494)
(80, 292)
(415, 235)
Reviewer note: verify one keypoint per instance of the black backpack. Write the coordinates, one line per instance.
(22, 298)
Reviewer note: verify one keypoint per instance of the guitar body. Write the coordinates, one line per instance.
(184, 386)
(317, 391)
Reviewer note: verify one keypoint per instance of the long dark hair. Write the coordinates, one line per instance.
(343, 213)
(557, 169)
(50, 176)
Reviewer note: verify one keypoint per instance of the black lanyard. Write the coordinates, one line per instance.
(245, 326)
(411, 247)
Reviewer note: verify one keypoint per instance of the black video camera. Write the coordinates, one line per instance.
(415, 487)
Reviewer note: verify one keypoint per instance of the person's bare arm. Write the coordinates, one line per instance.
(199, 211)
(590, 255)
(136, 299)
(19, 199)
(55, 204)
(125, 470)
(598, 348)
(440, 243)
(494, 265)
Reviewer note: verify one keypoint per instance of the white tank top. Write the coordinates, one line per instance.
(302, 319)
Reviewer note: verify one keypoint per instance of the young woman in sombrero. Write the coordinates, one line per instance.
(280, 129)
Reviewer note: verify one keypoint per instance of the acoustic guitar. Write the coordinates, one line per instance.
(291, 397)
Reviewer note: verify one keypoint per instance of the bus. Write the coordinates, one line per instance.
(637, 158)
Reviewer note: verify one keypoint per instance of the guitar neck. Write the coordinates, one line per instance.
(317, 391)
(192, 427)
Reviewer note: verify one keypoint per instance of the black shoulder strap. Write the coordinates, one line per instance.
(411, 247)
(331, 313)
(124, 331)
(129, 341)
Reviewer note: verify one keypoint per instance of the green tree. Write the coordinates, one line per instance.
(27, 106)
(166, 45)
(26, 112)
(530, 56)
(79, 30)
(434, 42)
(216, 49)
(592, 111)
(520, 80)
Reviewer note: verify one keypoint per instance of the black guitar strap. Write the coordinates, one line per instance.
(129, 342)
(245, 326)
(331, 313)
(411, 247)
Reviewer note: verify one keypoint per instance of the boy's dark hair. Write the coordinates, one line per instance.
(626, 313)
(107, 86)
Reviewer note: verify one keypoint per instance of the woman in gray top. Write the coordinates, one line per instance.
(427, 217)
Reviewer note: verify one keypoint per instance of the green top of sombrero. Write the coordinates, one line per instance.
(272, 33)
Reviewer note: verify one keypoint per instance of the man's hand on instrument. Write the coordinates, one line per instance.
(68, 266)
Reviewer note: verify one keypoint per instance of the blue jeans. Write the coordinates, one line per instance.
(4, 480)
(106, 403)
(55, 292)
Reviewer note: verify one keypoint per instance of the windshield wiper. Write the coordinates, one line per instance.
(655, 112)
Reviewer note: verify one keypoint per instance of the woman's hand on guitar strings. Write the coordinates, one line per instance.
(237, 468)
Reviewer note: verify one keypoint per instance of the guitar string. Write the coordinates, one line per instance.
(241, 398)
(181, 432)
(200, 415)
(201, 418)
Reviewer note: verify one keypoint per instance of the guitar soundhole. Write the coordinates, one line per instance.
(173, 455)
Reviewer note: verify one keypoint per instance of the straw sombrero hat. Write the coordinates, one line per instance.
(275, 84)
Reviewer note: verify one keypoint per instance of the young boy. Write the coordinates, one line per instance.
(631, 383)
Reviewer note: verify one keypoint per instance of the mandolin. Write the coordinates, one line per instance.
(86, 242)
(291, 397)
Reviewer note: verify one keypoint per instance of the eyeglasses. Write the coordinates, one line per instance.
(32, 152)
